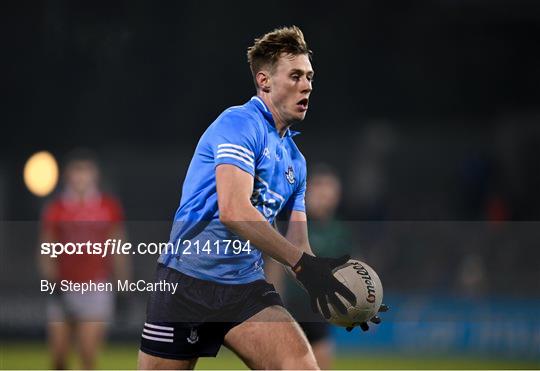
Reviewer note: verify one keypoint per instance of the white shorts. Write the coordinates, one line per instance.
(90, 306)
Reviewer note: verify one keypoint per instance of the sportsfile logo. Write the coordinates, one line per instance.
(359, 268)
(120, 247)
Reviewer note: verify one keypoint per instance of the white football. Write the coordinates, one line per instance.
(366, 285)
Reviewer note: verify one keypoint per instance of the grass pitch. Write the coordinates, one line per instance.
(28, 356)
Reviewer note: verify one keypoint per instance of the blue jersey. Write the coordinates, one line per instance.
(244, 136)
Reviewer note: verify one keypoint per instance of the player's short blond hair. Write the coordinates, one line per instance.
(266, 50)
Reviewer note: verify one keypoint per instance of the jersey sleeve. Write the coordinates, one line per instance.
(235, 140)
(297, 200)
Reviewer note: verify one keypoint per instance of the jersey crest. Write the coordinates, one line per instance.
(289, 174)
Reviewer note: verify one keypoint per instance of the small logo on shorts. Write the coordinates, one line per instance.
(193, 336)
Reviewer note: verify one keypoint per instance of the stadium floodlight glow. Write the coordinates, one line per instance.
(41, 173)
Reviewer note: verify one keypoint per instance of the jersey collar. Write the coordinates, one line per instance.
(263, 108)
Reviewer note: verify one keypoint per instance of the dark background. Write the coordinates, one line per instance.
(435, 103)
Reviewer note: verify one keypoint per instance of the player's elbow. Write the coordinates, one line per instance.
(228, 214)
(234, 212)
(235, 209)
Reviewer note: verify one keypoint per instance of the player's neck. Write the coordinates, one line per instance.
(281, 125)
(81, 195)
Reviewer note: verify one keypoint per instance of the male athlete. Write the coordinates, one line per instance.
(80, 213)
(246, 169)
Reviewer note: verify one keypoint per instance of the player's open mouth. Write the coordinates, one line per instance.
(303, 104)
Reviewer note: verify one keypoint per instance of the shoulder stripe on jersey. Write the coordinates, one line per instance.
(273, 193)
(235, 157)
(166, 328)
(230, 150)
(166, 334)
(158, 339)
(244, 149)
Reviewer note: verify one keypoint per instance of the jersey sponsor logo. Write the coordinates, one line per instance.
(164, 334)
(289, 174)
(265, 198)
(193, 336)
(260, 198)
(266, 152)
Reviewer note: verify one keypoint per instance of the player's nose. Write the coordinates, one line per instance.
(306, 86)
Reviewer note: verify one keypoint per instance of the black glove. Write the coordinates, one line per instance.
(316, 275)
(376, 320)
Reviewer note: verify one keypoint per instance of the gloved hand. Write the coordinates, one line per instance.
(376, 320)
(316, 275)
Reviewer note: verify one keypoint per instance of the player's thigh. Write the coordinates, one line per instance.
(149, 362)
(59, 328)
(271, 339)
(90, 336)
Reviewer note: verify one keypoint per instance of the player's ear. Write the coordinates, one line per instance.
(263, 81)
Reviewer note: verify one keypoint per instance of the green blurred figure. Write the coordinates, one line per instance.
(328, 237)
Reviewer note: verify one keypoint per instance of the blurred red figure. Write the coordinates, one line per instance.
(80, 213)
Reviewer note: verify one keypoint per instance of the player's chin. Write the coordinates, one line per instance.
(300, 115)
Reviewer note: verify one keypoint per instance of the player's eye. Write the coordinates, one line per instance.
(295, 77)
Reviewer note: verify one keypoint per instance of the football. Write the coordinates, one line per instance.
(366, 285)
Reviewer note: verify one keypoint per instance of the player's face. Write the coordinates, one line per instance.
(290, 87)
(81, 176)
(323, 196)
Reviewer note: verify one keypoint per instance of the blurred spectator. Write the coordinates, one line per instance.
(328, 236)
(80, 213)
(366, 178)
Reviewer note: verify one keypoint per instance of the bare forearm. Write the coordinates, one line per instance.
(296, 234)
(122, 262)
(275, 273)
(47, 266)
(262, 235)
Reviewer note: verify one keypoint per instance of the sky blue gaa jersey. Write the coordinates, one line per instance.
(244, 136)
